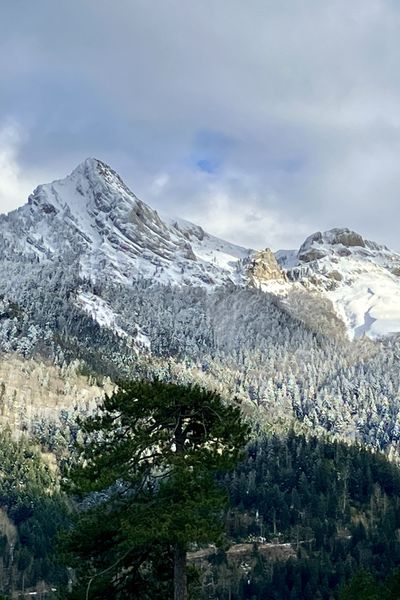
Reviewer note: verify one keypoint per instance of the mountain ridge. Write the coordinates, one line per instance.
(246, 326)
(92, 219)
(93, 214)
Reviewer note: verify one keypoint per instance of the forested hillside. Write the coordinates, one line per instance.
(32, 513)
(240, 341)
(337, 506)
(96, 288)
(304, 516)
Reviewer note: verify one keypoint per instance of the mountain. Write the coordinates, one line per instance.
(93, 221)
(90, 275)
(97, 287)
(91, 215)
(360, 277)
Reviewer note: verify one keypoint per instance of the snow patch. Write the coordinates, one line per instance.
(100, 312)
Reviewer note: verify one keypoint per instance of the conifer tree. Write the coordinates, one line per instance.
(152, 454)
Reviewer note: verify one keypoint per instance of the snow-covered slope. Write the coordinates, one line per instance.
(92, 216)
(360, 277)
(92, 222)
(210, 249)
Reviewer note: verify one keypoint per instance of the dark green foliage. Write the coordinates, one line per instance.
(152, 455)
(337, 505)
(362, 586)
(392, 586)
(32, 514)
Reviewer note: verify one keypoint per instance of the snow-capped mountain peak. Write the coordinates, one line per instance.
(92, 220)
(92, 184)
(360, 277)
(93, 216)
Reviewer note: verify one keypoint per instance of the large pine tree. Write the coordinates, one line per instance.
(152, 453)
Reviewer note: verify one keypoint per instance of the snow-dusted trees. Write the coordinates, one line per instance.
(239, 341)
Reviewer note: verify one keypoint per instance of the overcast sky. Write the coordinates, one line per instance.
(260, 120)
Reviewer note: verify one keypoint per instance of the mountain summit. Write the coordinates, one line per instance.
(360, 277)
(93, 222)
(93, 216)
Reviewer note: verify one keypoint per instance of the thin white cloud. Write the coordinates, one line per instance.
(249, 223)
(230, 205)
(14, 185)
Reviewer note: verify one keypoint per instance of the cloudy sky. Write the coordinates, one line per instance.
(261, 120)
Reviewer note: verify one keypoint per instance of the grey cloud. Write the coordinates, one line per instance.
(306, 92)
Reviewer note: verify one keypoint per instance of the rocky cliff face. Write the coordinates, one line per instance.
(264, 269)
(338, 241)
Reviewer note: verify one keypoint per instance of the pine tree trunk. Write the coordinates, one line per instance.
(180, 582)
(180, 578)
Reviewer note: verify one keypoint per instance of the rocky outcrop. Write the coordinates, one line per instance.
(319, 245)
(310, 254)
(264, 268)
(347, 238)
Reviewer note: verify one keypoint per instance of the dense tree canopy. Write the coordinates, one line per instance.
(318, 511)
